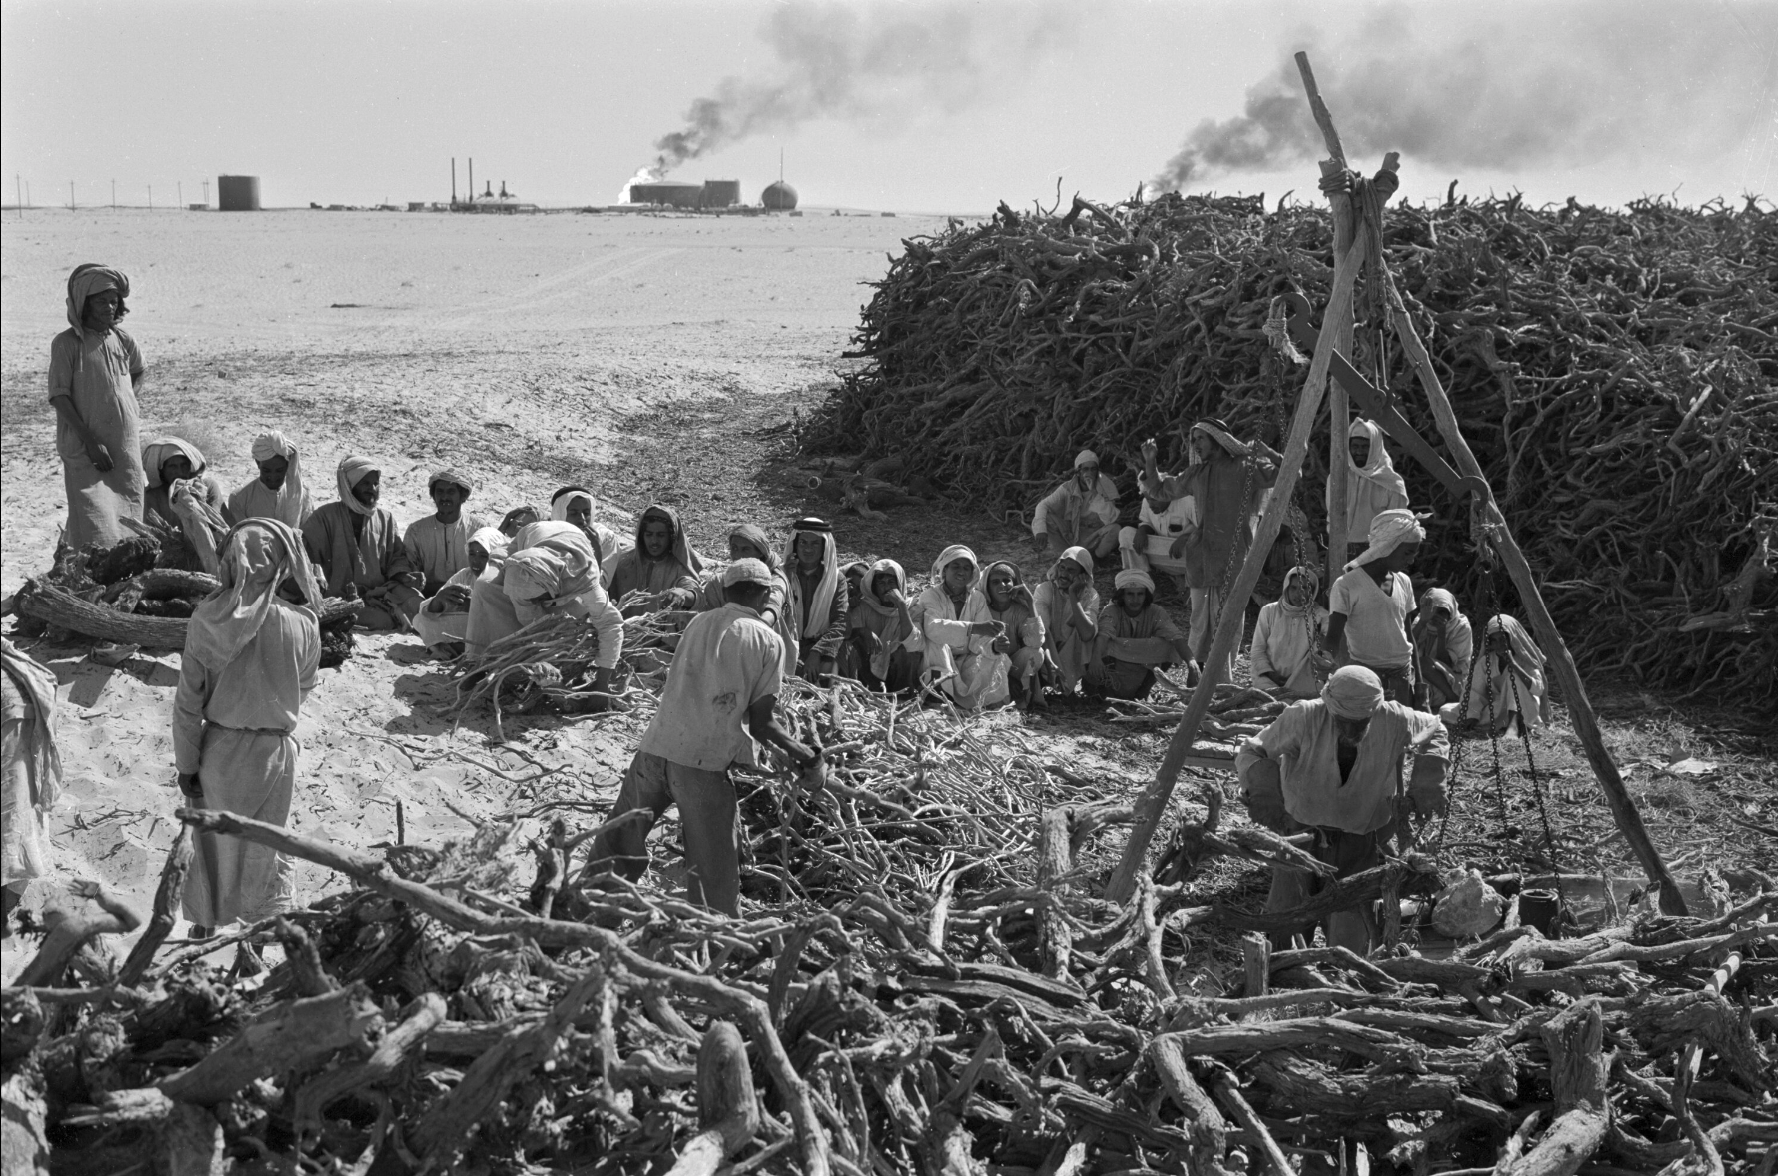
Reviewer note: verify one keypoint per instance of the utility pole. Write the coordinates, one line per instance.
(151, 198)
(19, 184)
(114, 193)
(70, 195)
(453, 181)
(206, 194)
(179, 189)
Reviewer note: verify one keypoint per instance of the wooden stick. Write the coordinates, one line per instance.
(1153, 802)
(1055, 859)
(1338, 411)
(1567, 675)
(728, 1112)
(1238, 1107)
(166, 909)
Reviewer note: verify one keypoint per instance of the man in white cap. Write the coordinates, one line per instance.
(1136, 636)
(1368, 607)
(1081, 512)
(1332, 766)
(717, 702)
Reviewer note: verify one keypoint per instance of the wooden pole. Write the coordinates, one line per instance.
(1574, 691)
(1228, 628)
(1339, 416)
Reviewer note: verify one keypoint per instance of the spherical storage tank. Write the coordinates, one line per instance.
(237, 193)
(779, 196)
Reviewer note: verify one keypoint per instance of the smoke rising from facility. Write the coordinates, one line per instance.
(1527, 87)
(881, 62)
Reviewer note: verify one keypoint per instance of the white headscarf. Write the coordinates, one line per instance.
(1527, 660)
(561, 567)
(159, 451)
(256, 556)
(1134, 578)
(951, 555)
(1389, 530)
(351, 472)
(1377, 465)
(558, 506)
(290, 495)
(490, 540)
(814, 612)
(1353, 692)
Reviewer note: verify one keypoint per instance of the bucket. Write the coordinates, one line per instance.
(1539, 908)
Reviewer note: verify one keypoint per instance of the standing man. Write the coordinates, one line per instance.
(718, 700)
(1372, 485)
(1228, 479)
(1332, 766)
(1081, 512)
(250, 660)
(95, 372)
(1368, 607)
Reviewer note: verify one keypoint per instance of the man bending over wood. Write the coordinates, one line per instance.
(1332, 766)
(718, 700)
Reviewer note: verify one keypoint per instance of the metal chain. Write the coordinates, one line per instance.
(1543, 815)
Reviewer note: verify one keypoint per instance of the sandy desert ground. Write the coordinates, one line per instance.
(650, 358)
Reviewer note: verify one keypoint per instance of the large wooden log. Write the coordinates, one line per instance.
(286, 1036)
(728, 1111)
(57, 606)
(1055, 938)
(1338, 411)
(1204, 1123)
(1575, 1039)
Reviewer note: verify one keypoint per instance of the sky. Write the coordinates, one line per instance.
(910, 106)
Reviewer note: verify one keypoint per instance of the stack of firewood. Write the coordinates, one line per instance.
(925, 977)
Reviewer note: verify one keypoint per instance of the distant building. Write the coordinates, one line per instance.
(778, 196)
(675, 193)
(237, 193)
(720, 194)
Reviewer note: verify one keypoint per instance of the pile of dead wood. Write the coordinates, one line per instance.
(1613, 370)
(124, 595)
(926, 978)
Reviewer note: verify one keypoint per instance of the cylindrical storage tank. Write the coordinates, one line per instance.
(779, 196)
(237, 193)
(721, 193)
(676, 193)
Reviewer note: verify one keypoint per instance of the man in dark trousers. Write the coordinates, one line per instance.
(718, 700)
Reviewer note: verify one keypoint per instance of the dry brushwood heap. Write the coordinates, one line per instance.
(1615, 372)
(923, 979)
(138, 593)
